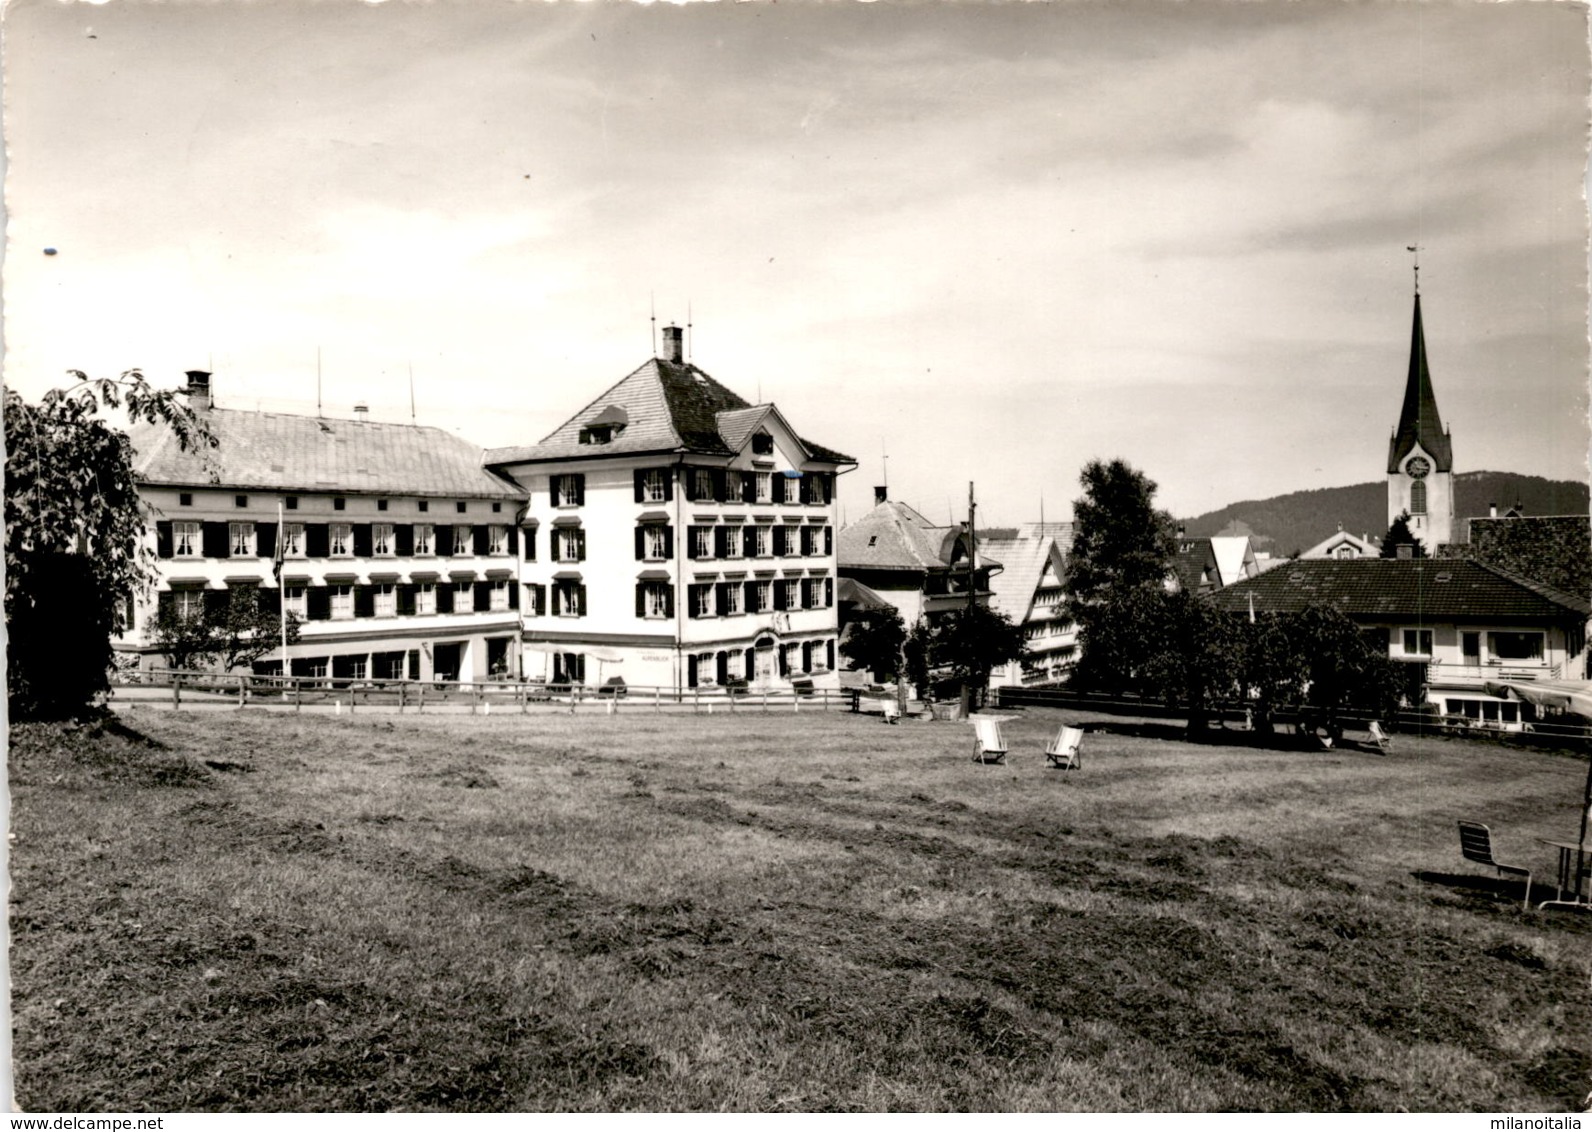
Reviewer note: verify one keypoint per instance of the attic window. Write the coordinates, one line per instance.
(762, 444)
(600, 433)
(872, 539)
(1443, 577)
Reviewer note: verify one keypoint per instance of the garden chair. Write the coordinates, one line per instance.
(988, 745)
(1063, 751)
(1475, 842)
(1379, 737)
(892, 711)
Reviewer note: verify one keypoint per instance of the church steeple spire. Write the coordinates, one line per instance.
(1419, 421)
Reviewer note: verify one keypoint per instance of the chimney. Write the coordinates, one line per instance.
(1492, 510)
(1405, 550)
(673, 344)
(1180, 530)
(198, 390)
(361, 411)
(880, 494)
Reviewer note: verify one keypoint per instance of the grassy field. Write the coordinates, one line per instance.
(246, 910)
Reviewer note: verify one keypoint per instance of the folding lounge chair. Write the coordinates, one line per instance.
(988, 745)
(1379, 737)
(1475, 842)
(1063, 750)
(892, 711)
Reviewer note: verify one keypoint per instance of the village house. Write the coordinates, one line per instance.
(398, 553)
(678, 536)
(1028, 590)
(922, 569)
(1466, 623)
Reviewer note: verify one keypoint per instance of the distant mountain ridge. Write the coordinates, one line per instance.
(1297, 521)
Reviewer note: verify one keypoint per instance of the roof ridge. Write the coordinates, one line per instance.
(1542, 589)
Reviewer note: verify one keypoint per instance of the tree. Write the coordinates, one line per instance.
(1398, 534)
(873, 642)
(1196, 657)
(232, 632)
(1272, 670)
(962, 647)
(1342, 670)
(76, 552)
(1116, 577)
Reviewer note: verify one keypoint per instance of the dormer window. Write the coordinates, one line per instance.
(605, 427)
(762, 444)
(600, 434)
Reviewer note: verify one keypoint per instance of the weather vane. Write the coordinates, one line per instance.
(1415, 250)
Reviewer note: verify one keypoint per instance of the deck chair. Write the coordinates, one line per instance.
(1063, 750)
(1379, 737)
(892, 712)
(988, 745)
(1475, 842)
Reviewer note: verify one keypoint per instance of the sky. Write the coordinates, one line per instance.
(963, 242)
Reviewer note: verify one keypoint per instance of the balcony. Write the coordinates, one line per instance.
(1493, 671)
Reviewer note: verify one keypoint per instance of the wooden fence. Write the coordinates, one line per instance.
(478, 696)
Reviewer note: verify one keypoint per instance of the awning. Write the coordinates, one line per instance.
(654, 576)
(422, 575)
(494, 573)
(188, 583)
(462, 575)
(567, 576)
(295, 579)
(567, 521)
(243, 579)
(384, 576)
(341, 579)
(653, 517)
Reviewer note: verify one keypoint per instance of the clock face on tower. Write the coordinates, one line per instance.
(1418, 467)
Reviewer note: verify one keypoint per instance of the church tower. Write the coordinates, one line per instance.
(1420, 456)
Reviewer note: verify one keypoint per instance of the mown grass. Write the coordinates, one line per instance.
(246, 910)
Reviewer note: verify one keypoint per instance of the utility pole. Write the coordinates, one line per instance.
(972, 600)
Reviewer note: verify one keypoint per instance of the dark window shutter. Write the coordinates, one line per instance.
(214, 537)
(552, 490)
(782, 658)
(530, 544)
(216, 601)
(163, 539)
(829, 594)
(748, 487)
(317, 603)
(668, 601)
(444, 593)
(718, 485)
(406, 599)
(749, 665)
(268, 601)
(829, 655)
(580, 489)
(580, 545)
(723, 667)
(668, 485)
(721, 542)
(317, 540)
(166, 606)
(749, 541)
(514, 595)
(641, 543)
(414, 664)
(641, 599)
(364, 601)
(580, 600)
(668, 541)
(721, 599)
(362, 540)
(807, 656)
(483, 596)
(541, 599)
(804, 489)
(829, 540)
(749, 596)
(479, 536)
(514, 540)
(691, 671)
(404, 540)
(265, 540)
(779, 541)
(641, 485)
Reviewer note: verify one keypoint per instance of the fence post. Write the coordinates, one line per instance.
(765, 701)
(657, 699)
(420, 698)
(176, 691)
(401, 688)
(696, 700)
(298, 693)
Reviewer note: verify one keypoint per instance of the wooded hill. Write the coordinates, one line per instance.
(1286, 524)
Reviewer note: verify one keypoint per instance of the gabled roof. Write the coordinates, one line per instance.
(292, 452)
(1024, 553)
(1194, 562)
(1418, 419)
(673, 407)
(1235, 558)
(853, 593)
(1425, 589)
